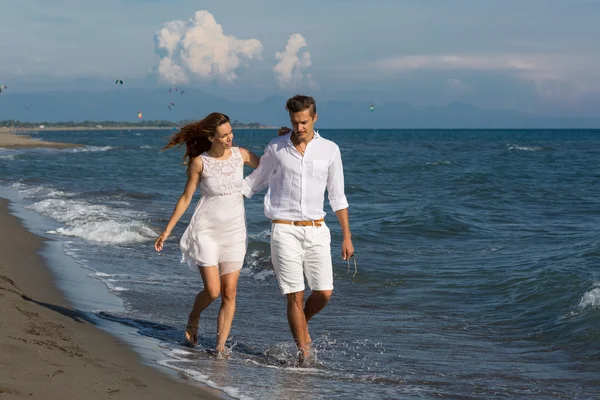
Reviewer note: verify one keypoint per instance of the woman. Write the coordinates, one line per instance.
(215, 240)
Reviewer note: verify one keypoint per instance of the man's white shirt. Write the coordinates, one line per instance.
(297, 184)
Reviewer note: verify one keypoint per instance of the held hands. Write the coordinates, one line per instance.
(158, 244)
(347, 249)
(284, 130)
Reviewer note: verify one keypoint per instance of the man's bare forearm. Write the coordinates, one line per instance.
(342, 216)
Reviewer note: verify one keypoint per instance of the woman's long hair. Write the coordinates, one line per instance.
(195, 136)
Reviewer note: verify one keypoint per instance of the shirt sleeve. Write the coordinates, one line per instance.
(259, 178)
(335, 184)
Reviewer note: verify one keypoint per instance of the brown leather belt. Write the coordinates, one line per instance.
(317, 222)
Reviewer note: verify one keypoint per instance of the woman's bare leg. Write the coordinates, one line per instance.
(228, 293)
(210, 277)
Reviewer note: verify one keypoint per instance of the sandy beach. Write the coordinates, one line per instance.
(9, 140)
(49, 350)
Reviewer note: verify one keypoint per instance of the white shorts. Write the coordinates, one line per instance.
(298, 251)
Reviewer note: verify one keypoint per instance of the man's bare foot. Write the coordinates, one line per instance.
(223, 353)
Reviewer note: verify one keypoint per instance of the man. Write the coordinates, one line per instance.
(298, 167)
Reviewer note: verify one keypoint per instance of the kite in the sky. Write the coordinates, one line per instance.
(171, 104)
(174, 88)
(139, 114)
(372, 107)
(3, 87)
(118, 82)
(181, 92)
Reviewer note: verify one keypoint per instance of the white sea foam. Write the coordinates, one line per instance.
(255, 262)
(94, 222)
(443, 162)
(29, 192)
(200, 377)
(116, 288)
(591, 298)
(101, 275)
(524, 148)
(181, 352)
(91, 149)
(261, 236)
(109, 232)
(262, 275)
(6, 154)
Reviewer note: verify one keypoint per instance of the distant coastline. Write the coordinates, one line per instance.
(14, 134)
(15, 126)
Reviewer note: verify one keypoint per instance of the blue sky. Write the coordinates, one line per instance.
(533, 55)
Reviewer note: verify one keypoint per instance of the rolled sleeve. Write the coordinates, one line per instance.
(259, 179)
(335, 184)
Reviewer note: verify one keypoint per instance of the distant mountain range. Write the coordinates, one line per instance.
(124, 105)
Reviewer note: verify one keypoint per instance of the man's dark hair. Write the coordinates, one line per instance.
(300, 103)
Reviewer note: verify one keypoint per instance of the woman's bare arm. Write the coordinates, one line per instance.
(184, 201)
(250, 159)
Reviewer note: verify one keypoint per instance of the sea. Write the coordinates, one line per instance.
(477, 275)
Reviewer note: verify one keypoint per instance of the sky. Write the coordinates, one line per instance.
(538, 56)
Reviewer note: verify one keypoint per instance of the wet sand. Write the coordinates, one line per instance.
(9, 140)
(49, 350)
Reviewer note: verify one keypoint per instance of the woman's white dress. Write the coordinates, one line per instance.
(216, 235)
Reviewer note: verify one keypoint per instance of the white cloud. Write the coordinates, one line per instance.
(291, 66)
(198, 48)
(553, 76)
(171, 72)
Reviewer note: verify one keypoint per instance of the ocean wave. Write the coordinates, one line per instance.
(133, 281)
(93, 222)
(101, 275)
(591, 299)
(262, 236)
(425, 221)
(30, 192)
(524, 148)
(115, 288)
(119, 193)
(109, 232)
(7, 154)
(91, 149)
(442, 162)
(200, 377)
(258, 265)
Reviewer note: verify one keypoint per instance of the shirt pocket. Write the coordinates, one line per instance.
(320, 169)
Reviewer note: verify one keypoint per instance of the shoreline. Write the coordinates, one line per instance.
(50, 350)
(10, 140)
(94, 128)
(109, 128)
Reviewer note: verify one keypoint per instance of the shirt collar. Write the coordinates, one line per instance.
(289, 139)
